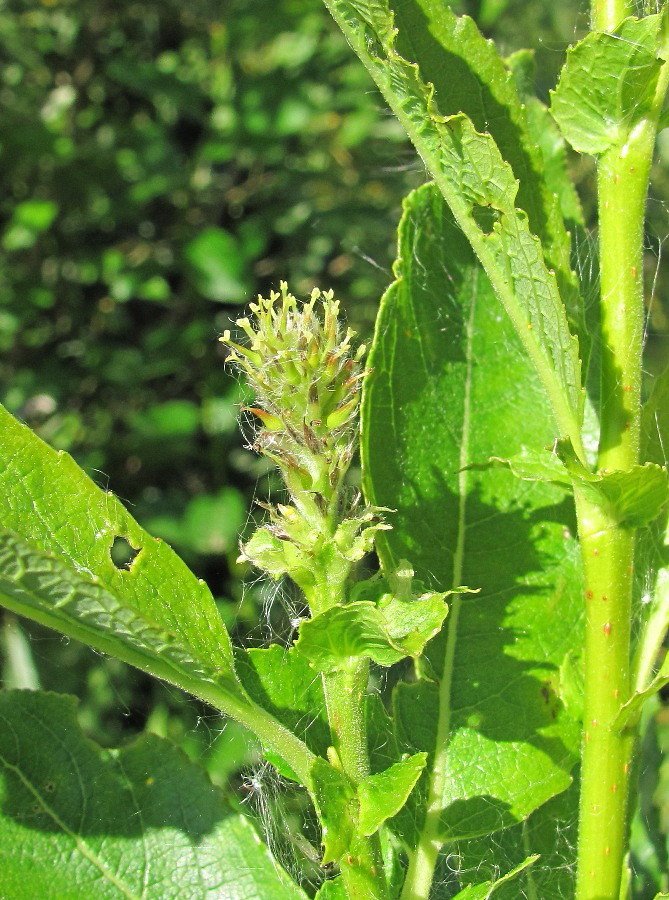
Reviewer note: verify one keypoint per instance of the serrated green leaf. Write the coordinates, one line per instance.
(452, 386)
(530, 465)
(481, 191)
(469, 76)
(62, 540)
(382, 796)
(385, 634)
(608, 83)
(140, 822)
(47, 499)
(42, 587)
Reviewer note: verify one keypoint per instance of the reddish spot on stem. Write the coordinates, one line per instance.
(589, 595)
(594, 723)
(633, 270)
(614, 788)
(606, 628)
(616, 693)
(626, 768)
(607, 851)
(595, 552)
(628, 387)
(604, 598)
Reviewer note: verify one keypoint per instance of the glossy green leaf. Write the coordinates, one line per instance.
(607, 84)
(629, 714)
(75, 560)
(48, 500)
(385, 634)
(140, 822)
(451, 386)
(382, 796)
(481, 190)
(40, 586)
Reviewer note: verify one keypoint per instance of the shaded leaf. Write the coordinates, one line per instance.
(451, 386)
(139, 822)
(333, 795)
(282, 681)
(655, 422)
(488, 888)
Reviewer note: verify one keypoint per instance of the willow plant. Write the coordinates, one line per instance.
(453, 742)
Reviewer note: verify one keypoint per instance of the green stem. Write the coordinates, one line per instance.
(607, 548)
(608, 555)
(607, 14)
(345, 697)
(226, 694)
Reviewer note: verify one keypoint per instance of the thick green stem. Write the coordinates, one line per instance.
(608, 554)
(606, 14)
(607, 548)
(362, 869)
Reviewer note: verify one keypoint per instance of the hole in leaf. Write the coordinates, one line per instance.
(485, 217)
(123, 554)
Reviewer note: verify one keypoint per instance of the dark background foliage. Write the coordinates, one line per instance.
(160, 164)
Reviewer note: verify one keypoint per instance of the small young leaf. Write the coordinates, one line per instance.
(141, 821)
(630, 711)
(382, 796)
(333, 793)
(487, 889)
(385, 634)
(607, 84)
(632, 498)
